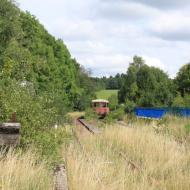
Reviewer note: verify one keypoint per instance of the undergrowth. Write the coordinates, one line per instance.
(22, 171)
(128, 158)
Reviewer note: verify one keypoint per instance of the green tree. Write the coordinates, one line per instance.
(183, 79)
(146, 86)
(9, 23)
(113, 102)
(129, 87)
(178, 101)
(187, 100)
(39, 80)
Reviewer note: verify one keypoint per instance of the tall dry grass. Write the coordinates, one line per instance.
(128, 158)
(171, 125)
(22, 171)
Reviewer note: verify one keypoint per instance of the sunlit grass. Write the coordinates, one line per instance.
(174, 126)
(129, 158)
(21, 171)
(105, 94)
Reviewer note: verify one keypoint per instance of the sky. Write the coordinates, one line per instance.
(104, 35)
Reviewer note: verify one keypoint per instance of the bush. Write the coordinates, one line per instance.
(90, 114)
(113, 102)
(187, 128)
(117, 114)
(129, 106)
(37, 115)
(187, 100)
(178, 101)
(49, 142)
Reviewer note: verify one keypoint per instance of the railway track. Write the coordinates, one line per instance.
(62, 183)
(90, 128)
(60, 173)
(95, 130)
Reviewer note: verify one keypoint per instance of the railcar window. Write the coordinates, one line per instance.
(102, 104)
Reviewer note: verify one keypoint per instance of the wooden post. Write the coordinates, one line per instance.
(9, 134)
(60, 178)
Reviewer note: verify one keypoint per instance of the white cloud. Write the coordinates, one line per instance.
(173, 26)
(153, 61)
(105, 34)
(166, 4)
(104, 65)
(122, 10)
(113, 64)
(74, 30)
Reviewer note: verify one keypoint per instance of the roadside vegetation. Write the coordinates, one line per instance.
(176, 127)
(39, 81)
(135, 157)
(42, 83)
(23, 171)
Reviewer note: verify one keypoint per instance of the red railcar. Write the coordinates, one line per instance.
(101, 106)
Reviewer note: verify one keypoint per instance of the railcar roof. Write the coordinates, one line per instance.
(100, 100)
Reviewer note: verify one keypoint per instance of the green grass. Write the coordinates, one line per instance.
(105, 94)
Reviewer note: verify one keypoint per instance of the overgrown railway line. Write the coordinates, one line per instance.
(60, 174)
(77, 136)
(90, 128)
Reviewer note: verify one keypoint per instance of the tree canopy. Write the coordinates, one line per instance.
(146, 86)
(183, 79)
(39, 79)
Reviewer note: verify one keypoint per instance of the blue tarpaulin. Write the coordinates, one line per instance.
(150, 112)
(160, 112)
(184, 112)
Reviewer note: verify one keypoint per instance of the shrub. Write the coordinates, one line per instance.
(113, 102)
(187, 128)
(178, 101)
(117, 114)
(129, 106)
(37, 116)
(90, 114)
(187, 100)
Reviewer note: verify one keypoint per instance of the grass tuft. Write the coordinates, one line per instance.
(129, 158)
(21, 171)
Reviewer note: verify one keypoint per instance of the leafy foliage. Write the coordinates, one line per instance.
(187, 128)
(112, 82)
(146, 86)
(39, 80)
(113, 102)
(178, 101)
(183, 79)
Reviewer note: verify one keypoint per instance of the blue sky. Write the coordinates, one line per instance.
(104, 35)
